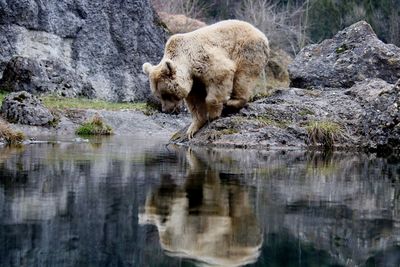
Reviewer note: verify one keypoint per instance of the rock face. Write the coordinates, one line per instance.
(43, 76)
(381, 114)
(105, 42)
(352, 55)
(23, 108)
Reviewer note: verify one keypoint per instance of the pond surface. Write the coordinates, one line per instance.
(132, 202)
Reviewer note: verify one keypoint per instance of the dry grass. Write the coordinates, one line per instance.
(324, 133)
(9, 135)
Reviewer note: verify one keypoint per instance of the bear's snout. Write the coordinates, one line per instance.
(170, 108)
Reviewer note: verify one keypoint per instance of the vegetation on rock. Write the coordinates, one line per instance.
(267, 121)
(55, 102)
(95, 126)
(2, 96)
(324, 133)
(9, 135)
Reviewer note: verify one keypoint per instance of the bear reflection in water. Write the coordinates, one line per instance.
(209, 219)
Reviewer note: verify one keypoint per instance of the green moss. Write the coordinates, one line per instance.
(341, 49)
(56, 102)
(325, 133)
(228, 131)
(306, 111)
(272, 122)
(264, 120)
(95, 126)
(2, 96)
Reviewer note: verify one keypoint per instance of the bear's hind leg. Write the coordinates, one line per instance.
(214, 103)
(218, 94)
(243, 85)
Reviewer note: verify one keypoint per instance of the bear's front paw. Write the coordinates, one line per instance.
(193, 128)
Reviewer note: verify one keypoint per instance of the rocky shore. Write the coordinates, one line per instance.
(343, 92)
(123, 122)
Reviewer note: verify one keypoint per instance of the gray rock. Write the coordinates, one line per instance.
(24, 108)
(352, 55)
(280, 121)
(381, 114)
(104, 41)
(43, 76)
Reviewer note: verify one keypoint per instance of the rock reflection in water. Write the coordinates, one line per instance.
(72, 204)
(208, 219)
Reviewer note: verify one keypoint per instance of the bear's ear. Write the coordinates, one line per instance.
(169, 67)
(147, 68)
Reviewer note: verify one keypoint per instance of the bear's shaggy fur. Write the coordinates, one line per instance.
(226, 58)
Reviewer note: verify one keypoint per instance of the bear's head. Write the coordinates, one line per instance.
(166, 84)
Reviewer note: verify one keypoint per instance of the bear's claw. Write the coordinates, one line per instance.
(191, 131)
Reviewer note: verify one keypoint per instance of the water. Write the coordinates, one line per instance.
(126, 202)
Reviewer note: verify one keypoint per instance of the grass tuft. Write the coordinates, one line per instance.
(95, 126)
(325, 133)
(9, 135)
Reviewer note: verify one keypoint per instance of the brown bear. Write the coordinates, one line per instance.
(226, 58)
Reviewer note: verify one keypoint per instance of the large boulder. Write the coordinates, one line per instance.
(352, 55)
(380, 123)
(104, 40)
(277, 66)
(43, 76)
(24, 108)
